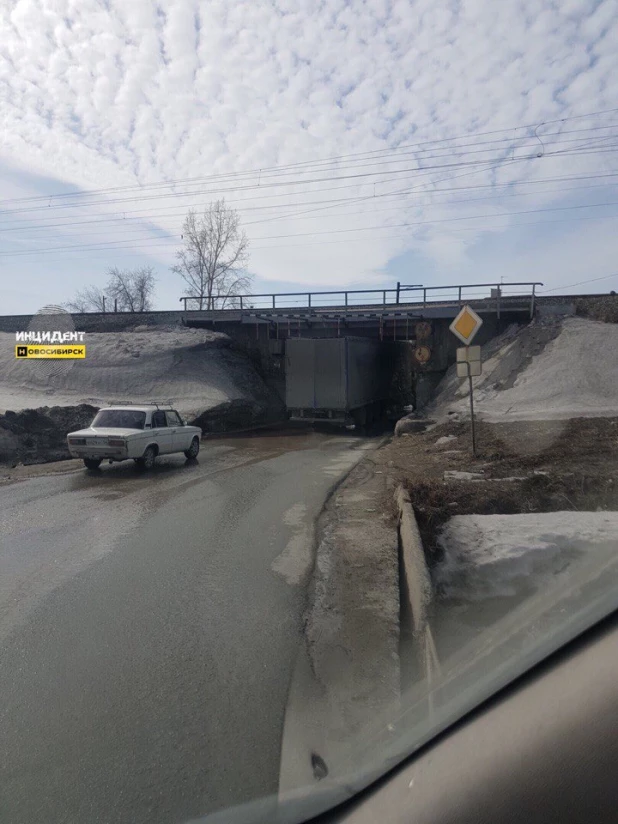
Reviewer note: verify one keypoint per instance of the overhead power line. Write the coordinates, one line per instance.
(417, 170)
(119, 243)
(148, 247)
(155, 214)
(294, 188)
(135, 224)
(299, 166)
(579, 283)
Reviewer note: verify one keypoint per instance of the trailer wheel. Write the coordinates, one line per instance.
(360, 417)
(376, 412)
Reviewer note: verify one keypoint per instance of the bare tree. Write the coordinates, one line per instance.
(131, 289)
(213, 260)
(90, 299)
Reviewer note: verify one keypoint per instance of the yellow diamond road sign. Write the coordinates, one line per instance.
(466, 325)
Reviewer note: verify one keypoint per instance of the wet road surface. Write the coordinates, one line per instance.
(149, 625)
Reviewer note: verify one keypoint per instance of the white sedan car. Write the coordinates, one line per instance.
(139, 432)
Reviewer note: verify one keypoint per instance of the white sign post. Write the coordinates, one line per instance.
(469, 362)
(465, 326)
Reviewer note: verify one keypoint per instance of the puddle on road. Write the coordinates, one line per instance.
(108, 495)
(52, 539)
(295, 515)
(275, 443)
(294, 563)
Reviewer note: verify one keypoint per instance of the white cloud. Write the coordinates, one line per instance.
(102, 94)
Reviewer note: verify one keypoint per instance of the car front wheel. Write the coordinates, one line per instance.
(92, 463)
(193, 450)
(148, 458)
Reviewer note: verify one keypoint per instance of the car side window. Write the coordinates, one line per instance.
(173, 418)
(158, 418)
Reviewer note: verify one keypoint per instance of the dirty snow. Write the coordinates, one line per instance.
(458, 475)
(445, 439)
(189, 366)
(492, 556)
(574, 375)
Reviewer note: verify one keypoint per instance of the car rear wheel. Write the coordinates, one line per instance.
(148, 458)
(92, 463)
(193, 450)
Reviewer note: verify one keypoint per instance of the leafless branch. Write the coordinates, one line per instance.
(90, 299)
(131, 289)
(214, 258)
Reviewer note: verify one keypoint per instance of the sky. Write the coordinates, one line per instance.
(361, 143)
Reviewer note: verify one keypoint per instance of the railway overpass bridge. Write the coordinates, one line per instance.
(414, 317)
(417, 315)
(384, 313)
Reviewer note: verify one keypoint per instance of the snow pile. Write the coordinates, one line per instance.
(194, 368)
(493, 556)
(445, 439)
(572, 374)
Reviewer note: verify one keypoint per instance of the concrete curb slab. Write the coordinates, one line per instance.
(414, 565)
(416, 585)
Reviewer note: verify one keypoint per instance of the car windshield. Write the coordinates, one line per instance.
(367, 251)
(119, 419)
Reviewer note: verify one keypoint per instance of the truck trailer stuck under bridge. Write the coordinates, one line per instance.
(342, 380)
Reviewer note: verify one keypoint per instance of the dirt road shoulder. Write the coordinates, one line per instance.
(349, 668)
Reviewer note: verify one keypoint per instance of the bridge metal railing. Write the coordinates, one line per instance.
(496, 296)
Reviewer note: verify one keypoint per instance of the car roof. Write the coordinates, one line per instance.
(135, 408)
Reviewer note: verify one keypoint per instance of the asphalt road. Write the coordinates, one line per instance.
(149, 626)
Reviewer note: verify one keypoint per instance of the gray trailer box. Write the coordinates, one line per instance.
(332, 377)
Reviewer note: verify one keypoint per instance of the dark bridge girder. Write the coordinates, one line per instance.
(341, 320)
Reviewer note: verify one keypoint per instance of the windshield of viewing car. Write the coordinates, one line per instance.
(119, 419)
(335, 285)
